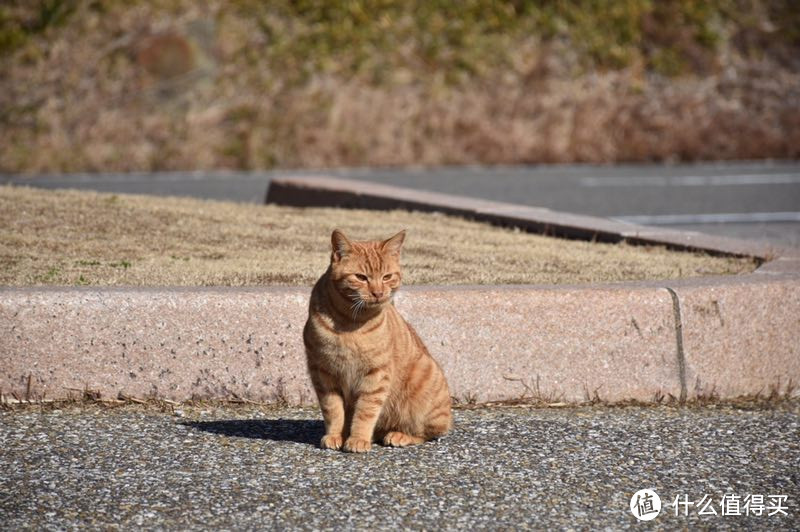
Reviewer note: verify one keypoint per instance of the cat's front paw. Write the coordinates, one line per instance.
(357, 445)
(331, 441)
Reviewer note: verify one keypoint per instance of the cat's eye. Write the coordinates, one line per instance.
(361, 277)
(387, 276)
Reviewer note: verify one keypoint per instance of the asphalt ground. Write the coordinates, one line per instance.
(754, 200)
(222, 467)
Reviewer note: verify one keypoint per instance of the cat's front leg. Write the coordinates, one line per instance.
(332, 406)
(331, 403)
(366, 410)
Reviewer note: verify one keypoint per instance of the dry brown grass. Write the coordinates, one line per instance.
(76, 238)
(334, 122)
(606, 118)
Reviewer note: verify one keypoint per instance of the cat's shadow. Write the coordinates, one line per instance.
(305, 431)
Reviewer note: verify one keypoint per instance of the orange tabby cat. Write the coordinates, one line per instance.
(374, 378)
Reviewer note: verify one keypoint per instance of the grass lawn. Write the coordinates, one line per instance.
(86, 238)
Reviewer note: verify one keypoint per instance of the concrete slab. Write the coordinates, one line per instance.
(561, 344)
(557, 344)
(741, 338)
(173, 343)
(781, 266)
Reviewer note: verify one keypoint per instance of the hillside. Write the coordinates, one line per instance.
(145, 85)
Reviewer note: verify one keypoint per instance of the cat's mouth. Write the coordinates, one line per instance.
(377, 301)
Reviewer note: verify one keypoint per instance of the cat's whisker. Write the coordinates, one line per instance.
(357, 306)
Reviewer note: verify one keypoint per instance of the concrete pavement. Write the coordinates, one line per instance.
(500, 469)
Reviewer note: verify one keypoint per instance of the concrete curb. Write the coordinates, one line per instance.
(709, 337)
(317, 191)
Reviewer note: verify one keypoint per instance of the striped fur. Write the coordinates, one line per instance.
(374, 378)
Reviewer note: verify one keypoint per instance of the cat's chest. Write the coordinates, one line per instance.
(356, 350)
(353, 350)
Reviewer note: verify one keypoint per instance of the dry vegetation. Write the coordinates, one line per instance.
(178, 84)
(83, 238)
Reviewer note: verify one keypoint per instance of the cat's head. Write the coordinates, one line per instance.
(366, 273)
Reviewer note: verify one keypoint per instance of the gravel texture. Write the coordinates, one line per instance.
(212, 467)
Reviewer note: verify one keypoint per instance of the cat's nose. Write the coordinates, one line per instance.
(377, 295)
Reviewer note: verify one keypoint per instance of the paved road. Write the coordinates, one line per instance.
(745, 200)
(756, 200)
(258, 468)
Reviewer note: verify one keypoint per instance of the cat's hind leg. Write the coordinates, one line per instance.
(401, 439)
(439, 421)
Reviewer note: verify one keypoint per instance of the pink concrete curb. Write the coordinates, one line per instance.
(720, 337)
(571, 344)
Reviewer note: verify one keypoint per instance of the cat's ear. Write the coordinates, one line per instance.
(340, 245)
(393, 245)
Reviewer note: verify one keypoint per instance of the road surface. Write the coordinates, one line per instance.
(500, 469)
(759, 200)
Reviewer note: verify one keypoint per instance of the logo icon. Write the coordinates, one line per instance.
(645, 505)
